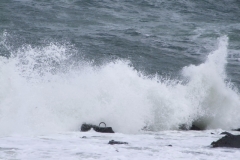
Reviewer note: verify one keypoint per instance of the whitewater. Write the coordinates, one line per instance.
(43, 90)
(145, 68)
(45, 96)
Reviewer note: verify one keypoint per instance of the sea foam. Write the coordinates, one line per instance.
(44, 90)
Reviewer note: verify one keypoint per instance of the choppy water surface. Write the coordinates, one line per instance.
(156, 145)
(132, 64)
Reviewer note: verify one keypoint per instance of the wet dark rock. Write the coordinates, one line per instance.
(229, 140)
(193, 127)
(112, 142)
(86, 127)
(238, 129)
(227, 133)
(104, 129)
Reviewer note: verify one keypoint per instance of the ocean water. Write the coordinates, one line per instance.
(152, 65)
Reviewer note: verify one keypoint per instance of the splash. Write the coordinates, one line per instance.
(214, 99)
(43, 91)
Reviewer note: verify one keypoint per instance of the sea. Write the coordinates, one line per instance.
(144, 67)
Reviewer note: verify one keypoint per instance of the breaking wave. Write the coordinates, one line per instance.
(44, 90)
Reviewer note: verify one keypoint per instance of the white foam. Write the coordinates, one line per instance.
(212, 96)
(152, 145)
(42, 90)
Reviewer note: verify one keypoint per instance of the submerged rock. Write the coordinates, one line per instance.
(229, 140)
(112, 142)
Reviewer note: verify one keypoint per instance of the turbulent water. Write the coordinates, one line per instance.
(153, 65)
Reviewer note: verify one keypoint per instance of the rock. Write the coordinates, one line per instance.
(112, 142)
(238, 129)
(86, 127)
(104, 129)
(227, 133)
(229, 140)
(193, 127)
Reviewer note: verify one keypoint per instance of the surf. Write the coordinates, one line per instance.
(45, 90)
